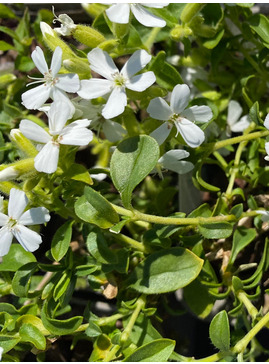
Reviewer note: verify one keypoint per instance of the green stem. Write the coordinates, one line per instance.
(243, 343)
(140, 303)
(252, 310)
(111, 354)
(221, 160)
(214, 357)
(131, 242)
(136, 215)
(106, 320)
(239, 139)
(151, 38)
(235, 167)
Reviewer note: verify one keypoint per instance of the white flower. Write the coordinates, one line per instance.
(120, 13)
(266, 124)
(54, 85)
(1, 352)
(67, 24)
(115, 82)
(265, 214)
(113, 131)
(75, 133)
(235, 124)
(14, 223)
(172, 160)
(177, 114)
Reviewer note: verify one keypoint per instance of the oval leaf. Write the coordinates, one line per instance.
(216, 230)
(94, 208)
(30, 333)
(61, 240)
(242, 237)
(165, 271)
(131, 162)
(219, 331)
(16, 258)
(156, 351)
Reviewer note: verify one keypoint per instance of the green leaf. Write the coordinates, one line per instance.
(254, 113)
(61, 241)
(166, 75)
(8, 342)
(21, 279)
(4, 46)
(165, 271)
(94, 208)
(216, 230)
(237, 210)
(202, 211)
(24, 63)
(156, 351)
(93, 330)
(131, 162)
(62, 285)
(78, 172)
(30, 333)
(213, 42)
(59, 327)
(16, 258)
(260, 24)
(242, 237)
(219, 331)
(5, 12)
(97, 246)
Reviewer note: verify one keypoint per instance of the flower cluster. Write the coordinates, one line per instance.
(14, 223)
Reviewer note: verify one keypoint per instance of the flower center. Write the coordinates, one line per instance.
(11, 223)
(175, 117)
(49, 79)
(119, 80)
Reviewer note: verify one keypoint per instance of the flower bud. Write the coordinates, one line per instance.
(109, 45)
(52, 40)
(88, 36)
(179, 32)
(16, 169)
(23, 143)
(93, 9)
(77, 65)
(5, 187)
(189, 11)
(6, 79)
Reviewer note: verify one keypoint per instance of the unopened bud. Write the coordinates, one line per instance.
(8, 174)
(78, 66)
(88, 36)
(189, 11)
(109, 45)
(23, 143)
(53, 41)
(94, 9)
(179, 32)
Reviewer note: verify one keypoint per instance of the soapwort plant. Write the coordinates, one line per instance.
(133, 191)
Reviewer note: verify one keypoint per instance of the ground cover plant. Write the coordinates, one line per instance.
(134, 150)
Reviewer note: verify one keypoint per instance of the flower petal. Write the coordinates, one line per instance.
(115, 104)
(3, 219)
(159, 109)
(241, 125)
(47, 159)
(76, 133)
(198, 113)
(95, 87)
(155, 5)
(17, 203)
(102, 63)
(34, 216)
(58, 114)
(39, 60)
(171, 160)
(267, 148)
(146, 18)
(69, 82)
(58, 95)
(234, 112)
(113, 131)
(29, 239)
(135, 63)
(119, 13)
(141, 82)
(180, 98)
(36, 97)
(161, 133)
(190, 132)
(5, 240)
(56, 61)
(266, 121)
(34, 132)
